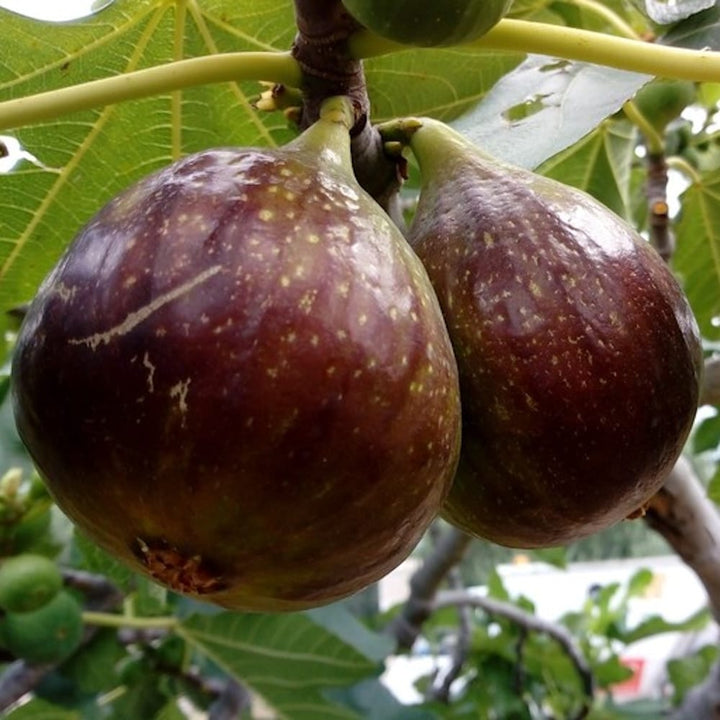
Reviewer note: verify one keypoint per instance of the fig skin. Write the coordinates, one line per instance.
(579, 356)
(238, 379)
(422, 24)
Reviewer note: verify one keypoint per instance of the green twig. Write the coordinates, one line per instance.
(128, 621)
(269, 66)
(574, 44)
(682, 165)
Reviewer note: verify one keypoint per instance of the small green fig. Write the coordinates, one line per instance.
(422, 24)
(662, 100)
(238, 379)
(27, 582)
(579, 356)
(49, 634)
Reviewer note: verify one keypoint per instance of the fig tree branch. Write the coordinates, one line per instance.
(18, 679)
(529, 623)
(710, 390)
(321, 51)
(424, 584)
(231, 703)
(683, 514)
(461, 648)
(656, 182)
(575, 44)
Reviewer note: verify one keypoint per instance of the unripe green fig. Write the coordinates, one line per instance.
(662, 100)
(579, 356)
(422, 24)
(49, 634)
(238, 379)
(27, 582)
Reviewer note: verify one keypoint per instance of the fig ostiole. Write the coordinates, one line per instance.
(238, 378)
(579, 356)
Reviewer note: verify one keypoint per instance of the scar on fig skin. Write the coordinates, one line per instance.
(180, 572)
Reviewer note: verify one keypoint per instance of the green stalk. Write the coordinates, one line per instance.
(653, 139)
(574, 44)
(328, 140)
(682, 165)
(128, 621)
(437, 147)
(229, 67)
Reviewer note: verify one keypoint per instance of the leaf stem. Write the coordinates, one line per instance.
(128, 621)
(277, 67)
(574, 44)
(683, 166)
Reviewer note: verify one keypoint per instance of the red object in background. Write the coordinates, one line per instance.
(631, 686)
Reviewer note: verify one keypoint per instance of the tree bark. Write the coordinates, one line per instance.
(683, 514)
(321, 49)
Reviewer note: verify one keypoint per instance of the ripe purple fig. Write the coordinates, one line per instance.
(578, 353)
(238, 378)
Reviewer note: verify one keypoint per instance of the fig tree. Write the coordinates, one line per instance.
(27, 582)
(238, 378)
(423, 24)
(579, 356)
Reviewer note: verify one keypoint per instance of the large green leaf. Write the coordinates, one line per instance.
(439, 83)
(290, 660)
(697, 257)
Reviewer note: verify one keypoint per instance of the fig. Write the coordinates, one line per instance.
(414, 22)
(49, 634)
(578, 354)
(238, 379)
(662, 100)
(27, 582)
